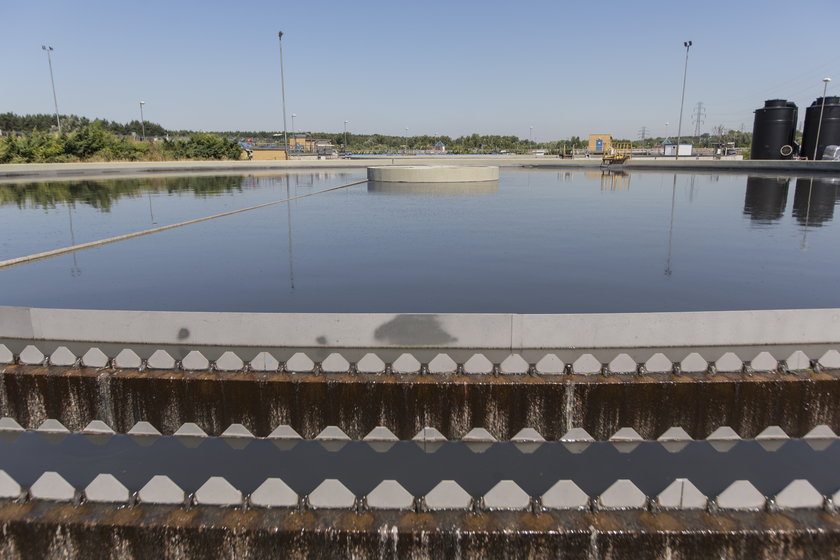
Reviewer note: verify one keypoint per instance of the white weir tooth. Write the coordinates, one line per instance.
(772, 432)
(143, 429)
(332, 433)
(478, 435)
(217, 491)
(723, 439)
(724, 433)
(237, 431)
(52, 486)
(106, 488)
(190, 429)
(448, 494)
(274, 493)
(10, 425)
(626, 434)
(674, 433)
(381, 433)
(98, 427)
(622, 494)
(332, 494)
(577, 435)
(506, 494)
(799, 494)
(161, 490)
(284, 431)
(9, 488)
(682, 494)
(741, 495)
(52, 426)
(565, 494)
(390, 494)
(528, 435)
(819, 432)
(428, 434)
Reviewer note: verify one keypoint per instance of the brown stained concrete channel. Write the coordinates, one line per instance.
(37, 530)
(357, 403)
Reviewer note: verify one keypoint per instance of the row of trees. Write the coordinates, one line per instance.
(11, 123)
(93, 142)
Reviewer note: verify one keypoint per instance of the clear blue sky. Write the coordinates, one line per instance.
(436, 67)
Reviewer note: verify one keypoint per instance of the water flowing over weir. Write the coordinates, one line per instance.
(193, 435)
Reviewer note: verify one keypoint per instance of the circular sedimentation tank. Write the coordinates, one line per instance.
(432, 173)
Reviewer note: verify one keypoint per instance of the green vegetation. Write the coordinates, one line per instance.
(93, 142)
(34, 138)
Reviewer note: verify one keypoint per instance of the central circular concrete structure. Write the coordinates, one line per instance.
(433, 173)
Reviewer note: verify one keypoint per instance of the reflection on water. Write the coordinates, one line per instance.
(102, 194)
(814, 200)
(766, 198)
(532, 242)
(434, 189)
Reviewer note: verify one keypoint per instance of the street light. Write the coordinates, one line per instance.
(142, 121)
(531, 145)
(283, 93)
(687, 46)
(345, 137)
(294, 136)
(819, 124)
(49, 49)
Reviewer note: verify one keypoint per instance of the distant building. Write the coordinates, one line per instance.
(439, 148)
(670, 149)
(600, 143)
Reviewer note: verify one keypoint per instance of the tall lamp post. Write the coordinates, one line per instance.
(345, 137)
(819, 124)
(142, 121)
(531, 144)
(49, 49)
(283, 93)
(687, 46)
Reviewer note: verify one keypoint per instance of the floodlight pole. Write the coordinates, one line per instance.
(283, 93)
(687, 46)
(142, 122)
(819, 124)
(49, 49)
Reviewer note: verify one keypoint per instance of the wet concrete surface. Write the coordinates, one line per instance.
(92, 531)
(418, 467)
(651, 403)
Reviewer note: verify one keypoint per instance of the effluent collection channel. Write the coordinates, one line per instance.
(587, 363)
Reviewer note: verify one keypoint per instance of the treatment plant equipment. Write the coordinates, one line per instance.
(774, 130)
(827, 128)
(182, 435)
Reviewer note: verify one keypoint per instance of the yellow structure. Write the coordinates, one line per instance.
(600, 143)
(618, 153)
(264, 154)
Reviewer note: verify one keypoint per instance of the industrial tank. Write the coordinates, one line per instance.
(774, 130)
(829, 131)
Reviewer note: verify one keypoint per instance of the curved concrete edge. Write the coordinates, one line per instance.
(432, 173)
(20, 326)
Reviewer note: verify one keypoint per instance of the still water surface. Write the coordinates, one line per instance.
(535, 242)
(303, 465)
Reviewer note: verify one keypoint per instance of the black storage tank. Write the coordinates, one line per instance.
(829, 131)
(774, 130)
